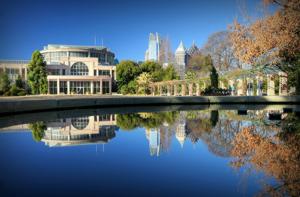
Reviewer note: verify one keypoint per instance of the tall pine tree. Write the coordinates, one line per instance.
(214, 78)
(37, 74)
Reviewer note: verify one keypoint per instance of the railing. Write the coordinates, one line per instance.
(15, 61)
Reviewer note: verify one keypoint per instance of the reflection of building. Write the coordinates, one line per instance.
(71, 69)
(181, 129)
(153, 135)
(80, 130)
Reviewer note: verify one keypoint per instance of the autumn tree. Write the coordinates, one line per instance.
(143, 81)
(219, 47)
(273, 40)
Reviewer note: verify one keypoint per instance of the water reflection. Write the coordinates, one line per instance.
(75, 131)
(266, 141)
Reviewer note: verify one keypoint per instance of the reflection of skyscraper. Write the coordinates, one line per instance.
(181, 129)
(180, 133)
(154, 141)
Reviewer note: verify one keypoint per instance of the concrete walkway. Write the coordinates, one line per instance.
(10, 105)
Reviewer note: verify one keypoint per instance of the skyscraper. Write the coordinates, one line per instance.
(180, 60)
(152, 53)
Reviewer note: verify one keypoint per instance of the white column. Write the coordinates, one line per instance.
(191, 89)
(283, 86)
(110, 84)
(183, 89)
(58, 86)
(101, 91)
(48, 87)
(68, 87)
(175, 90)
(197, 89)
(92, 87)
(271, 86)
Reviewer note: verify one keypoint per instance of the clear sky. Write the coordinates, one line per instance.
(124, 26)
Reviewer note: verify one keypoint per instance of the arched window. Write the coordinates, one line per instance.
(79, 68)
(80, 123)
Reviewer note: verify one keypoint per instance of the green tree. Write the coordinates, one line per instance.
(170, 73)
(37, 74)
(154, 69)
(190, 75)
(214, 78)
(127, 71)
(143, 81)
(4, 84)
(19, 83)
(38, 130)
(17, 89)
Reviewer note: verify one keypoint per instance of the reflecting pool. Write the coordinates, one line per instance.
(154, 151)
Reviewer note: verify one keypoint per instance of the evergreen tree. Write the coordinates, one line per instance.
(4, 84)
(37, 74)
(214, 78)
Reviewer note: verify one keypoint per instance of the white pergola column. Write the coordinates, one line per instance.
(191, 89)
(271, 85)
(283, 86)
(183, 89)
(175, 90)
(197, 89)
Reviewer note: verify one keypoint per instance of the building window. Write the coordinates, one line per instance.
(53, 87)
(104, 117)
(80, 87)
(78, 54)
(79, 68)
(95, 72)
(105, 87)
(63, 71)
(54, 72)
(80, 123)
(104, 72)
(96, 87)
(12, 73)
(63, 87)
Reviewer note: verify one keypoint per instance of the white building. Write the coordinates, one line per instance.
(71, 69)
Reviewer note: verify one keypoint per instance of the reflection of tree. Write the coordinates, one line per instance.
(128, 121)
(214, 118)
(146, 120)
(38, 130)
(274, 156)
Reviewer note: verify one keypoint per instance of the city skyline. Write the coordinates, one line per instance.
(99, 25)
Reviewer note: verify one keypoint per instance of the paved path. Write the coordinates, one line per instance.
(9, 105)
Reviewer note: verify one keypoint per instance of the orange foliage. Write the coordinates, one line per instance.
(270, 35)
(275, 157)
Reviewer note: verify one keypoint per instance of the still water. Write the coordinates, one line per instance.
(153, 151)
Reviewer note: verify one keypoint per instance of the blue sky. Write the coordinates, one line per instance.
(123, 25)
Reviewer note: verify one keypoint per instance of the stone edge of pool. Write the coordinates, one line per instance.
(10, 105)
